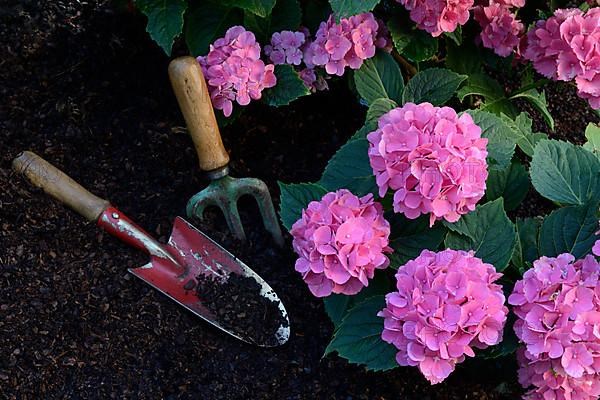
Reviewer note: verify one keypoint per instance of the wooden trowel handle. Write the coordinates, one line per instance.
(194, 100)
(58, 185)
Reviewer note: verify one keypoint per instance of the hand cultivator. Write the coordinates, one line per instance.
(224, 191)
(176, 268)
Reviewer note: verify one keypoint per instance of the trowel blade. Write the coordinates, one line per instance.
(200, 255)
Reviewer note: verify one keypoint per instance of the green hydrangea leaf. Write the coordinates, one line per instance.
(207, 22)
(592, 134)
(337, 305)
(565, 173)
(487, 231)
(501, 138)
(538, 101)
(350, 169)
(569, 230)
(294, 198)
(511, 183)
(411, 236)
(433, 85)
(379, 77)
(262, 8)
(348, 8)
(286, 15)
(526, 249)
(165, 20)
(289, 87)
(358, 337)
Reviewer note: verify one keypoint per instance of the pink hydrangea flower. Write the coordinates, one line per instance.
(347, 44)
(565, 47)
(234, 71)
(438, 16)
(557, 304)
(340, 241)
(433, 160)
(500, 30)
(509, 3)
(446, 304)
(285, 47)
(548, 380)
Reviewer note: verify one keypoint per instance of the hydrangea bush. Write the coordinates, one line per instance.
(415, 229)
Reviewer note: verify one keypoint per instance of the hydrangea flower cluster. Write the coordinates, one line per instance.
(433, 160)
(557, 304)
(500, 30)
(550, 382)
(341, 241)
(234, 71)
(565, 47)
(347, 44)
(286, 47)
(447, 304)
(438, 16)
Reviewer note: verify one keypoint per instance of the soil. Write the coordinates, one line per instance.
(84, 87)
(239, 307)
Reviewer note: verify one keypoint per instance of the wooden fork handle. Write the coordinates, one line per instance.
(194, 100)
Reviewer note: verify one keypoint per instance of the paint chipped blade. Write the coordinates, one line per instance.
(200, 255)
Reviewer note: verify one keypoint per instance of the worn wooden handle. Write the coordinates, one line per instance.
(194, 100)
(58, 185)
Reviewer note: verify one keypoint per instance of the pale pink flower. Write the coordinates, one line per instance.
(347, 44)
(446, 304)
(565, 47)
(500, 30)
(433, 160)
(234, 71)
(285, 47)
(438, 16)
(340, 241)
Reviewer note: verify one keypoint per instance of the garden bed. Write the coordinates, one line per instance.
(88, 90)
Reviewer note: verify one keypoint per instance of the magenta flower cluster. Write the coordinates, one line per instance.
(340, 241)
(565, 47)
(234, 71)
(433, 160)
(557, 304)
(500, 30)
(286, 47)
(447, 304)
(438, 16)
(347, 44)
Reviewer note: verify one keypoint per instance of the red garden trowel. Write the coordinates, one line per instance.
(173, 267)
(224, 191)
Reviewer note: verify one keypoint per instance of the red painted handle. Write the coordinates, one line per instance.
(119, 225)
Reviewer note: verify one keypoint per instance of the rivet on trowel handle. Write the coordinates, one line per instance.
(224, 191)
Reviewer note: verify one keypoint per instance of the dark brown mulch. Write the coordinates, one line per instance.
(85, 88)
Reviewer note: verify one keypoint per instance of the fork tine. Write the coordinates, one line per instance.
(232, 216)
(259, 191)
